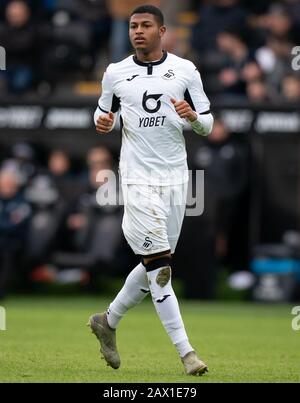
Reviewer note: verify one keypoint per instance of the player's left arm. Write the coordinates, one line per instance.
(195, 107)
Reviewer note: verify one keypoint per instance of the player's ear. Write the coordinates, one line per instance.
(162, 30)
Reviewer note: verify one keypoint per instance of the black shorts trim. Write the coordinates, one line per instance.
(155, 254)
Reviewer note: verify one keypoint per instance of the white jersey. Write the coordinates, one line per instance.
(153, 146)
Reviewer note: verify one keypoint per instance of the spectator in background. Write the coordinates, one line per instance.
(86, 18)
(278, 20)
(293, 7)
(258, 92)
(281, 24)
(239, 68)
(281, 34)
(59, 164)
(37, 7)
(24, 155)
(290, 89)
(62, 176)
(99, 158)
(50, 194)
(68, 54)
(214, 17)
(95, 13)
(15, 213)
(93, 230)
(22, 160)
(48, 212)
(19, 37)
(275, 60)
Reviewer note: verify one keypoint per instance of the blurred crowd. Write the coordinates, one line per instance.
(50, 221)
(244, 49)
(53, 229)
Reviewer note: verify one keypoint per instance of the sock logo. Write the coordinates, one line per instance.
(160, 300)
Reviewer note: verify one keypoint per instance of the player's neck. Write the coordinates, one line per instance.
(152, 56)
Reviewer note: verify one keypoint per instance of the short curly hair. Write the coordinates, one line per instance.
(148, 9)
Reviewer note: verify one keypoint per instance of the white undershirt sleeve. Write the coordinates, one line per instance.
(203, 124)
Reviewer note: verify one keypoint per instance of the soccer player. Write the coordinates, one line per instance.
(154, 93)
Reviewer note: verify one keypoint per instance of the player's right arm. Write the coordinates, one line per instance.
(104, 123)
(108, 104)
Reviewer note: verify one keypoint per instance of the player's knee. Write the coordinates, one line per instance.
(162, 264)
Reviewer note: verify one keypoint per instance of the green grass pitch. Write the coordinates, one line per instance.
(47, 341)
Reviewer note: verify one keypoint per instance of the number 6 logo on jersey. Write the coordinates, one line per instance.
(147, 98)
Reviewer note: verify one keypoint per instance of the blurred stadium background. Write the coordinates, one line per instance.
(54, 236)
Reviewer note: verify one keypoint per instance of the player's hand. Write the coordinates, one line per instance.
(104, 123)
(184, 110)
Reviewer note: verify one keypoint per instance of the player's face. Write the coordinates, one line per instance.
(144, 32)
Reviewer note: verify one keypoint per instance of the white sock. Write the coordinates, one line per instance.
(183, 348)
(167, 307)
(133, 292)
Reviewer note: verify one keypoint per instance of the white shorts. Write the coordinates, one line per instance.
(153, 217)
